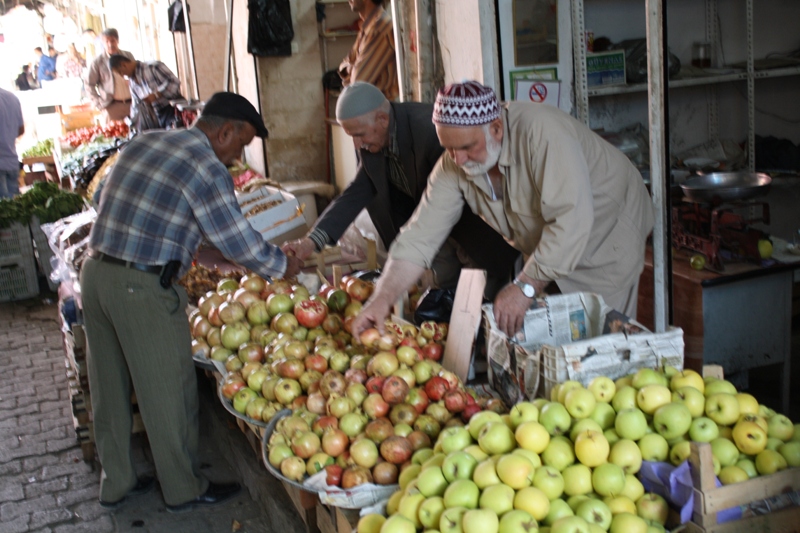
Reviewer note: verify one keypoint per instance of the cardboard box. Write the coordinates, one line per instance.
(572, 337)
(281, 222)
(605, 68)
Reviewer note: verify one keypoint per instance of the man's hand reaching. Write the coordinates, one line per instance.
(300, 248)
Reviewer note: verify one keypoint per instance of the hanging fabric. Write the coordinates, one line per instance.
(270, 28)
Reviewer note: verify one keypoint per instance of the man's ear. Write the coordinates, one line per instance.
(382, 119)
(225, 133)
(496, 129)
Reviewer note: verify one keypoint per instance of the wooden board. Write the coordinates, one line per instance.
(464, 322)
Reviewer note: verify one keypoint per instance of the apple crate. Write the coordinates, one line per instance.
(336, 519)
(19, 281)
(278, 223)
(15, 244)
(760, 492)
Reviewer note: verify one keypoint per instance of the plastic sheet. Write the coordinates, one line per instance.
(270, 31)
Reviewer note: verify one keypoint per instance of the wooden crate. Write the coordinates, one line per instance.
(336, 519)
(709, 499)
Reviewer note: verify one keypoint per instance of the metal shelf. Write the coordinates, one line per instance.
(696, 81)
(335, 34)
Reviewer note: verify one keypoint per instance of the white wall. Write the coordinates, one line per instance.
(468, 41)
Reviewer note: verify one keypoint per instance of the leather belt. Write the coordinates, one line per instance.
(150, 269)
(128, 101)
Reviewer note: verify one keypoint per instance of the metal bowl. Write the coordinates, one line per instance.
(719, 187)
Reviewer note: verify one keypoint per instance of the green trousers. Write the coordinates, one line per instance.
(138, 333)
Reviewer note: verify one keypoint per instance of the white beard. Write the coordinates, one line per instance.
(493, 148)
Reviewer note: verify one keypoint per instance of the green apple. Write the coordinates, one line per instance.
(769, 462)
(497, 498)
(670, 371)
(370, 523)
(431, 482)
(532, 436)
(692, 398)
(672, 420)
(592, 448)
(462, 493)
(653, 507)
(748, 466)
(577, 479)
(580, 402)
(631, 424)
(703, 429)
(680, 452)
(654, 447)
(475, 451)
(533, 501)
(421, 455)
(534, 458)
(608, 479)
(555, 418)
(796, 434)
(570, 524)
(454, 439)
(626, 455)
(409, 508)
(408, 474)
(437, 459)
(496, 438)
(651, 397)
(393, 503)
(719, 386)
(565, 387)
(748, 405)
(627, 523)
(549, 481)
(558, 509)
(430, 512)
(722, 408)
(687, 378)
(458, 465)
(576, 500)
(398, 524)
(586, 424)
(595, 512)
(611, 436)
(765, 411)
(603, 389)
(725, 451)
(780, 427)
(485, 474)
(479, 419)
(647, 376)
(451, 520)
(791, 452)
(515, 470)
(765, 248)
(633, 488)
(523, 412)
(625, 398)
(518, 521)
(604, 415)
(732, 474)
(559, 453)
(624, 381)
(480, 521)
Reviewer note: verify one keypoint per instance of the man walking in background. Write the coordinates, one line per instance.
(11, 127)
(107, 90)
(47, 65)
(152, 86)
(372, 58)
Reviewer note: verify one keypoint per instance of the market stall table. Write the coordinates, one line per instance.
(740, 319)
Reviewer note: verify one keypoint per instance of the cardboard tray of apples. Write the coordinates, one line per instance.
(356, 498)
(228, 404)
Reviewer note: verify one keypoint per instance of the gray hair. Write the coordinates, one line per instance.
(214, 122)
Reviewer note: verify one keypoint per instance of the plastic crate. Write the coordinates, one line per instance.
(15, 244)
(19, 281)
(43, 252)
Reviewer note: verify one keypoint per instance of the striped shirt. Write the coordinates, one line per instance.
(372, 58)
(168, 191)
(148, 78)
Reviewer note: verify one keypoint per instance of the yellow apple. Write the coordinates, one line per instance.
(748, 405)
(749, 437)
(620, 504)
(651, 397)
(591, 448)
(687, 378)
(732, 474)
(532, 501)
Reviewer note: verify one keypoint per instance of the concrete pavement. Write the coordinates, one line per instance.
(45, 485)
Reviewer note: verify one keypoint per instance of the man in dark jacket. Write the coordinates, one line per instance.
(398, 147)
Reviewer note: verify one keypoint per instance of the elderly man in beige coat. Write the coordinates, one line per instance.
(573, 204)
(109, 91)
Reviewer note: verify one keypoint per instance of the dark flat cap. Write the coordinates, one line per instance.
(235, 107)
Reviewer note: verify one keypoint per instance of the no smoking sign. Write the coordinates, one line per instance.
(538, 92)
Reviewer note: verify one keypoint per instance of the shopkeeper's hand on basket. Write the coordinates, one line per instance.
(510, 305)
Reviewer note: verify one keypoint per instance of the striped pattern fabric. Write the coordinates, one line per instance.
(465, 104)
(372, 58)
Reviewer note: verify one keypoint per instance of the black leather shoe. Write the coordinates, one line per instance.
(217, 493)
(143, 486)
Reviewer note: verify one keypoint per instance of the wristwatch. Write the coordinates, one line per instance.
(527, 289)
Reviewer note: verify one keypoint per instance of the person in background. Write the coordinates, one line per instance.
(71, 63)
(573, 204)
(91, 44)
(398, 148)
(47, 66)
(23, 81)
(167, 192)
(372, 58)
(152, 85)
(11, 127)
(108, 91)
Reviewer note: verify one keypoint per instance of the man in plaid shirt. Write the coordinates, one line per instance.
(167, 192)
(152, 85)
